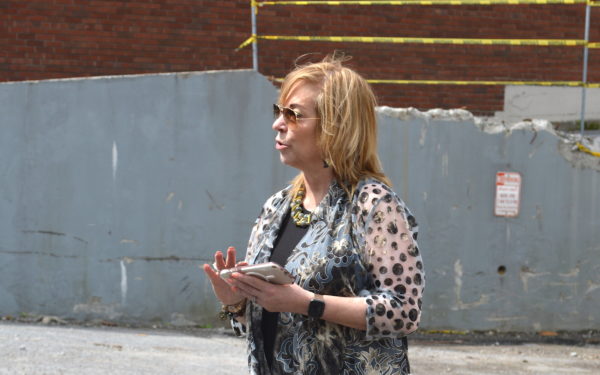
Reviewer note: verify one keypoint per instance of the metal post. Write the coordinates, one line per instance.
(254, 44)
(585, 66)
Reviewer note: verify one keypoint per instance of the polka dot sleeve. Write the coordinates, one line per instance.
(395, 269)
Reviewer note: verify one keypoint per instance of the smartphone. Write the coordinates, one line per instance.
(271, 272)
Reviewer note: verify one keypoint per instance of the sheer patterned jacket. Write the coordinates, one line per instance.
(365, 246)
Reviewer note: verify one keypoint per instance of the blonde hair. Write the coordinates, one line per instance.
(347, 131)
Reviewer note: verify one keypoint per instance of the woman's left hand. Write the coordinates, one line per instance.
(273, 297)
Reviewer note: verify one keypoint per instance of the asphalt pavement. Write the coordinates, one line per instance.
(32, 349)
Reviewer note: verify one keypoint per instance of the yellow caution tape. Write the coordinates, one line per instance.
(587, 150)
(475, 83)
(483, 83)
(363, 39)
(428, 2)
(247, 42)
(444, 331)
(403, 40)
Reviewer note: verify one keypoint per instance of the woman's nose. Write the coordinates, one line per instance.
(279, 124)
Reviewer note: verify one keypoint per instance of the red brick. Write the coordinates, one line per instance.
(80, 38)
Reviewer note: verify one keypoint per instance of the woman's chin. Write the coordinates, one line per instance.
(288, 161)
(283, 159)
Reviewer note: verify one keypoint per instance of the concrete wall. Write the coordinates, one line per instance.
(445, 167)
(114, 190)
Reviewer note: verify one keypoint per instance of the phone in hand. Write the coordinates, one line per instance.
(271, 272)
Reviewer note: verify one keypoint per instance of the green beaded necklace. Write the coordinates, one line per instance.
(300, 218)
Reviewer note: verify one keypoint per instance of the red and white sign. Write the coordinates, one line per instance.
(508, 193)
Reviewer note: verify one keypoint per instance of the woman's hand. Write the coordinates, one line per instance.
(273, 297)
(347, 311)
(223, 290)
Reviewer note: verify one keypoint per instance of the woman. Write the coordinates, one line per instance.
(339, 229)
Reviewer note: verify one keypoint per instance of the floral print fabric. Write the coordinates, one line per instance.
(365, 246)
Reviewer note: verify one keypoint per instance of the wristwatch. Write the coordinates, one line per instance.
(316, 307)
(233, 311)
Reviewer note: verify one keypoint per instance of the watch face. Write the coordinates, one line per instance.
(316, 308)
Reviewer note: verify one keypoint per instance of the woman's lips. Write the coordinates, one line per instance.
(280, 145)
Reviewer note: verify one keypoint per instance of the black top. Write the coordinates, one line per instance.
(289, 236)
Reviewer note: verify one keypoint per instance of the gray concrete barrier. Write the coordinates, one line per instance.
(115, 189)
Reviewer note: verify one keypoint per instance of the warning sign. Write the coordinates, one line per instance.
(508, 193)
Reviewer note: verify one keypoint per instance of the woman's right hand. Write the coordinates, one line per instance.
(226, 293)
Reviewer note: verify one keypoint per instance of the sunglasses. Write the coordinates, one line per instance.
(290, 115)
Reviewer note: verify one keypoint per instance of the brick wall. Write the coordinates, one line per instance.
(67, 38)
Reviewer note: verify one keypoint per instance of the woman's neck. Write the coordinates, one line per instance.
(316, 184)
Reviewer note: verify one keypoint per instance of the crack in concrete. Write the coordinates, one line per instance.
(53, 233)
(37, 253)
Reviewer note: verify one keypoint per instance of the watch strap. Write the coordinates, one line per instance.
(316, 307)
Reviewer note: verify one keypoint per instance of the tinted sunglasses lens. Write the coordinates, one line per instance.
(288, 114)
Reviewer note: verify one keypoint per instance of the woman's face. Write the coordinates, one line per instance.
(297, 141)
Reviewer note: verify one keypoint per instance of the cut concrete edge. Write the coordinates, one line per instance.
(432, 114)
(490, 125)
(568, 142)
(128, 76)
